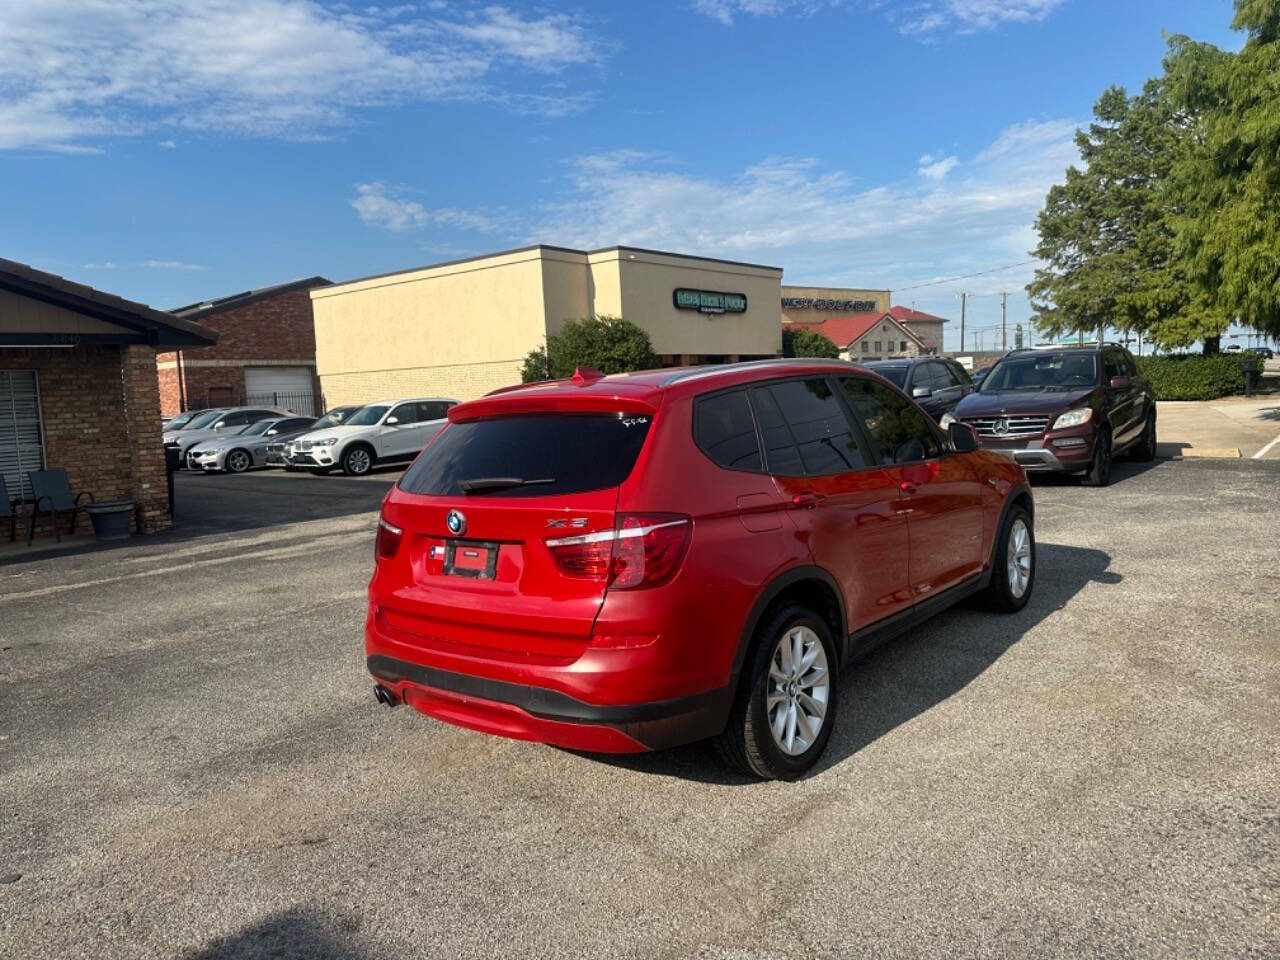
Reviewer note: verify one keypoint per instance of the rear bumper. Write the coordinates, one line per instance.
(530, 712)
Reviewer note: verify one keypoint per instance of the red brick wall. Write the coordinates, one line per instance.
(276, 328)
(102, 425)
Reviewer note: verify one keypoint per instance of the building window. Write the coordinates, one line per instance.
(903, 348)
(891, 346)
(21, 436)
(879, 345)
(866, 346)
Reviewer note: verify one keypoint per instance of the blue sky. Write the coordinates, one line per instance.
(174, 150)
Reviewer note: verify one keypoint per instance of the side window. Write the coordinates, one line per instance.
(724, 431)
(434, 409)
(818, 425)
(288, 426)
(238, 419)
(941, 378)
(1114, 363)
(901, 432)
(406, 413)
(779, 446)
(957, 374)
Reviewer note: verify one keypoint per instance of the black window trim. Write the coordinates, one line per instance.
(745, 390)
(944, 444)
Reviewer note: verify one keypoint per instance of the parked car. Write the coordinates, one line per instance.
(210, 425)
(241, 450)
(1232, 348)
(1066, 410)
(936, 383)
(278, 452)
(180, 422)
(978, 376)
(381, 432)
(630, 562)
(1266, 353)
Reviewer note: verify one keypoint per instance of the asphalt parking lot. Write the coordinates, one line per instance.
(192, 764)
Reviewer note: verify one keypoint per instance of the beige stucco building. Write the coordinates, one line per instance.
(461, 329)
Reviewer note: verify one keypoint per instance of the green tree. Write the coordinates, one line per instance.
(1227, 226)
(808, 343)
(609, 344)
(1107, 233)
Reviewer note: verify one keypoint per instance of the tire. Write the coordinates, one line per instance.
(1012, 583)
(237, 461)
(1144, 451)
(1099, 472)
(765, 702)
(357, 460)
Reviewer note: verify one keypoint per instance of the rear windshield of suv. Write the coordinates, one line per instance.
(549, 453)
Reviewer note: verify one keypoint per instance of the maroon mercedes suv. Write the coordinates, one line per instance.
(1064, 410)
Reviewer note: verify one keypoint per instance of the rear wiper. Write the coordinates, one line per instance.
(482, 484)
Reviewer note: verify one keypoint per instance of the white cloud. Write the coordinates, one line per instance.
(822, 225)
(168, 144)
(725, 10)
(104, 265)
(72, 69)
(936, 168)
(385, 205)
(970, 16)
(169, 265)
(916, 17)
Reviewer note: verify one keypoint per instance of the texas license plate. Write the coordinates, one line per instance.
(466, 558)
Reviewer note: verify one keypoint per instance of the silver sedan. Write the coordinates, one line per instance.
(247, 449)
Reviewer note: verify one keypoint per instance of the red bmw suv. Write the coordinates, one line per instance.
(630, 562)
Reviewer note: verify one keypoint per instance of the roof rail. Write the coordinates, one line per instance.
(706, 370)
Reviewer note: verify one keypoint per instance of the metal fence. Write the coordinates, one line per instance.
(304, 403)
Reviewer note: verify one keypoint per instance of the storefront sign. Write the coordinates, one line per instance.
(806, 303)
(706, 301)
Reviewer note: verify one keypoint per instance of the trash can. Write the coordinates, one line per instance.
(112, 519)
(1249, 367)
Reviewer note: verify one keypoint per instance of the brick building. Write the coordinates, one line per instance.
(926, 326)
(78, 389)
(266, 353)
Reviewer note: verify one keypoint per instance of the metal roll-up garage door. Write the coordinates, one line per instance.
(21, 432)
(288, 387)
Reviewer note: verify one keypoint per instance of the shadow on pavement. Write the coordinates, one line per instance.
(291, 935)
(1122, 470)
(913, 673)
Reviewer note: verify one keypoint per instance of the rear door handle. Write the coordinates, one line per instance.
(807, 500)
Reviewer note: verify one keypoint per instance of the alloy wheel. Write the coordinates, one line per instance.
(237, 461)
(798, 691)
(358, 461)
(1018, 558)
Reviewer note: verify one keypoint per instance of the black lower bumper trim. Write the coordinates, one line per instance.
(656, 724)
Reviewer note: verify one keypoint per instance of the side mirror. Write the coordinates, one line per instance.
(963, 437)
(219, 425)
(392, 421)
(272, 432)
(1119, 383)
(921, 393)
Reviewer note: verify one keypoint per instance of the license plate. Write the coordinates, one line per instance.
(474, 559)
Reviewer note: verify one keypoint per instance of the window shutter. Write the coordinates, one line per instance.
(21, 436)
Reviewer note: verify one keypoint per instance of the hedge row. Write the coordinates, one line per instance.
(1193, 376)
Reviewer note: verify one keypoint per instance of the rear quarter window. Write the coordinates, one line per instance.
(569, 453)
(725, 431)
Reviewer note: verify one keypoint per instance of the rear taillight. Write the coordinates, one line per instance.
(389, 536)
(644, 551)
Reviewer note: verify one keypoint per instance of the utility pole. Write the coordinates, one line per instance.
(964, 297)
(1004, 315)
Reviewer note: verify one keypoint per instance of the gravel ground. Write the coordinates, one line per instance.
(192, 765)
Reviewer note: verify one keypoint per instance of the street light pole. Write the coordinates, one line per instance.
(1004, 312)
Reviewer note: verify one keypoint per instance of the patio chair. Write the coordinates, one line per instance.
(9, 508)
(51, 493)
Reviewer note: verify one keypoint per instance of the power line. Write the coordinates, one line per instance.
(980, 273)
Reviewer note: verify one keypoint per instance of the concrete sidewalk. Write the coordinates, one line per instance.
(1232, 427)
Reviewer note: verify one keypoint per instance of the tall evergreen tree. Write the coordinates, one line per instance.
(1228, 193)
(1107, 236)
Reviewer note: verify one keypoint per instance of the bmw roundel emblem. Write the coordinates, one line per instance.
(456, 523)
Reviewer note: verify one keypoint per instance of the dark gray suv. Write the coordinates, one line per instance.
(936, 383)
